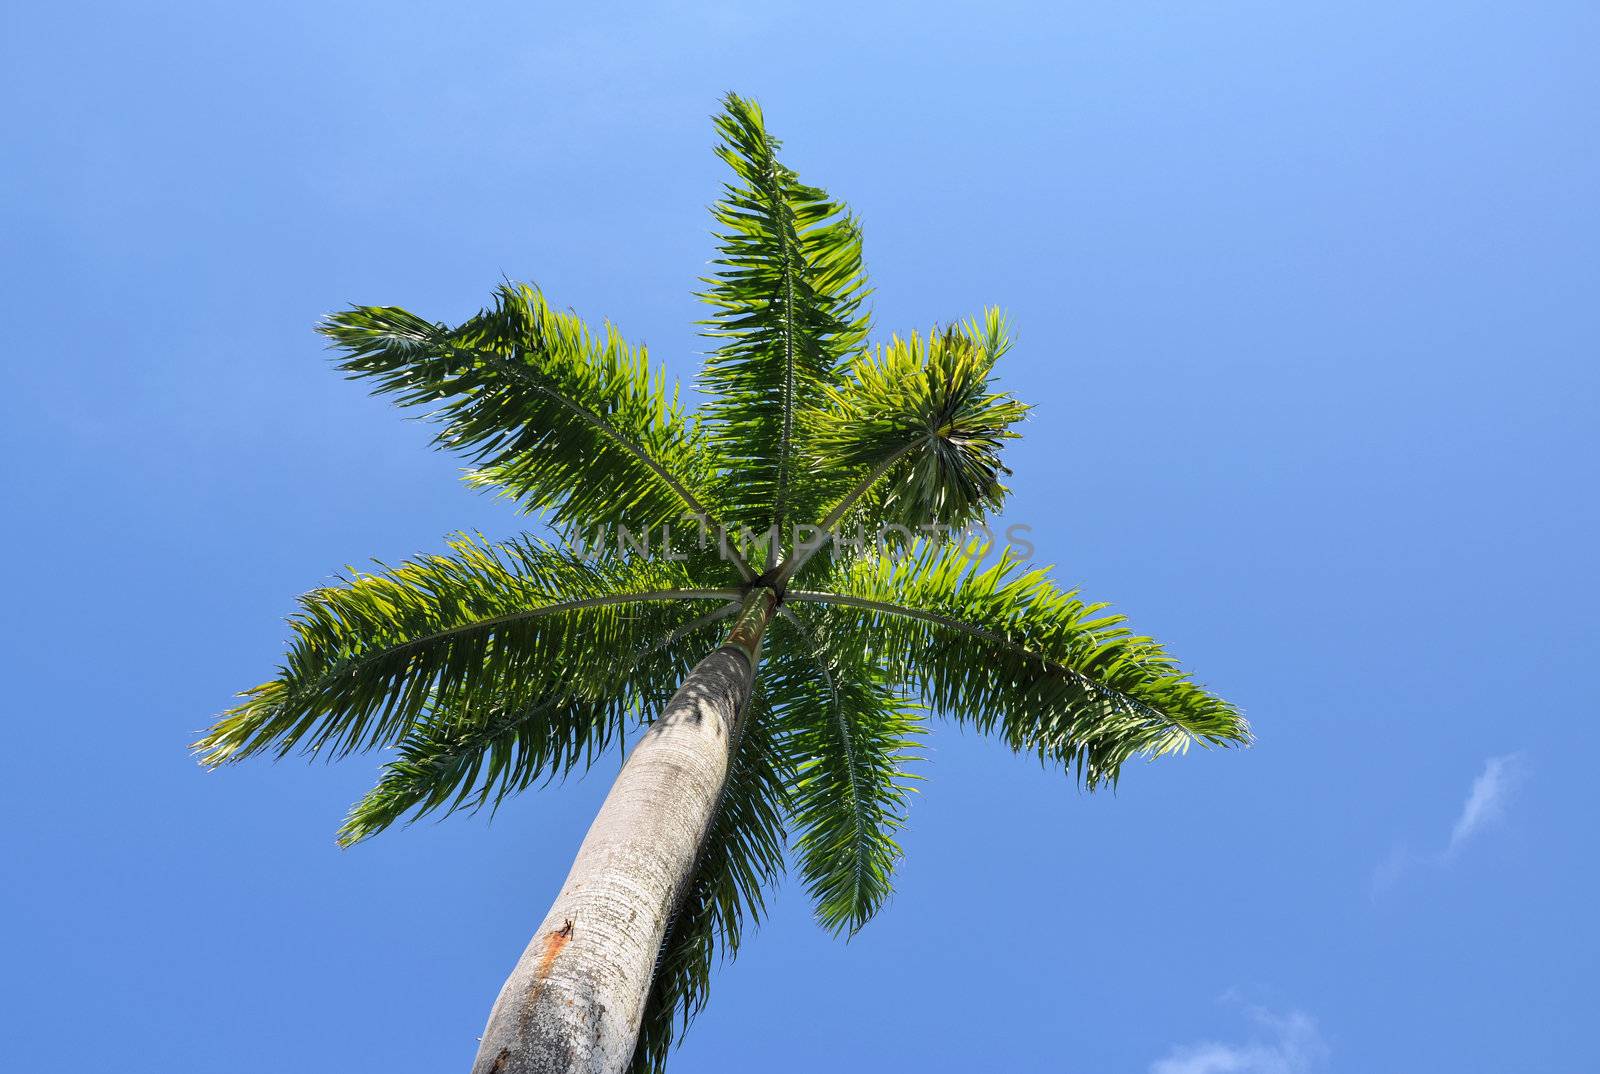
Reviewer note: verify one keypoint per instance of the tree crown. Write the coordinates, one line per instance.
(490, 667)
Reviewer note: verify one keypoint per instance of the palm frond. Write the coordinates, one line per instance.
(787, 291)
(457, 757)
(853, 736)
(560, 418)
(372, 657)
(920, 417)
(741, 857)
(1007, 651)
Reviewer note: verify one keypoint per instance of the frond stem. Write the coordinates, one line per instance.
(785, 259)
(792, 565)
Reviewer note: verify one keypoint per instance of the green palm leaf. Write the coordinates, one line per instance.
(376, 656)
(853, 736)
(787, 292)
(909, 442)
(558, 417)
(1007, 651)
(468, 756)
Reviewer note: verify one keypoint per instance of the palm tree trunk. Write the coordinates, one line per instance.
(576, 998)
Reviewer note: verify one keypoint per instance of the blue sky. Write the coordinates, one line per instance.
(1305, 297)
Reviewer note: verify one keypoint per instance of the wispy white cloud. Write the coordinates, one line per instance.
(1281, 1044)
(1486, 804)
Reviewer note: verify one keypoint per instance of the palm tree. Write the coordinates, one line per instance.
(790, 671)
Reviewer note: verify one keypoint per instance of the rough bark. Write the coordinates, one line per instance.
(576, 998)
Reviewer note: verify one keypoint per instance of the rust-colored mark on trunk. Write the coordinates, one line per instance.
(554, 944)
